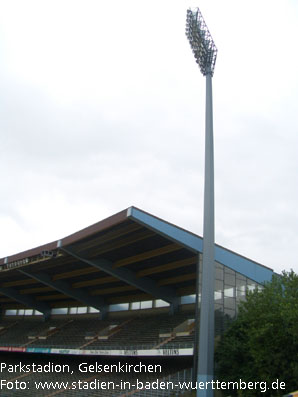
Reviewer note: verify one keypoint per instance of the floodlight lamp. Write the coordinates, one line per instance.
(200, 41)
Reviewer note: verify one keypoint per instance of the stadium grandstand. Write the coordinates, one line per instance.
(120, 293)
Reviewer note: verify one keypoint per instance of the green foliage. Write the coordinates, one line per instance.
(262, 343)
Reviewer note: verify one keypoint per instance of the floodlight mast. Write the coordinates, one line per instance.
(205, 53)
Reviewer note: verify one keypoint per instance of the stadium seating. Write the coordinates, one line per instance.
(87, 333)
(129, 331)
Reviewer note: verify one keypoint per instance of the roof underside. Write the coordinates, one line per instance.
(128, 257)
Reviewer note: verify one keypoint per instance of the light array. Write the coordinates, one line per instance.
(201, 42)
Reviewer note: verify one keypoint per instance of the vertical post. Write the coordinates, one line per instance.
(196, 335)
(47, 315)
(206, 340)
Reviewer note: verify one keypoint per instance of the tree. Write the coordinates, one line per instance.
(262, 343)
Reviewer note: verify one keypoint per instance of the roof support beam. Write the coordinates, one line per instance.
(174, 307)
(145, 284)
(26, 300)
(66, 289)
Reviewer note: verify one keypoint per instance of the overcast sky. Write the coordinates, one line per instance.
(102, 107)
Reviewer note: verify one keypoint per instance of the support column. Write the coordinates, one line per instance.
(103, 312)
(197, 324)
(47, 316)
(206, 339)
(174, 306)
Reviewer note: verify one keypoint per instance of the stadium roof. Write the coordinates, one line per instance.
(130, 256)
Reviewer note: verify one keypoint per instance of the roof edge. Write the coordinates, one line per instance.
(189, 240)
(249, 268)
(70, 239)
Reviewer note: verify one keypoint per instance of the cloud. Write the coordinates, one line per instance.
(102, 107)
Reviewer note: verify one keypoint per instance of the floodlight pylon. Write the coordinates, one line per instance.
(205, 53)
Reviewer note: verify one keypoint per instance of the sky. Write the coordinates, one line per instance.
(102, 107)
